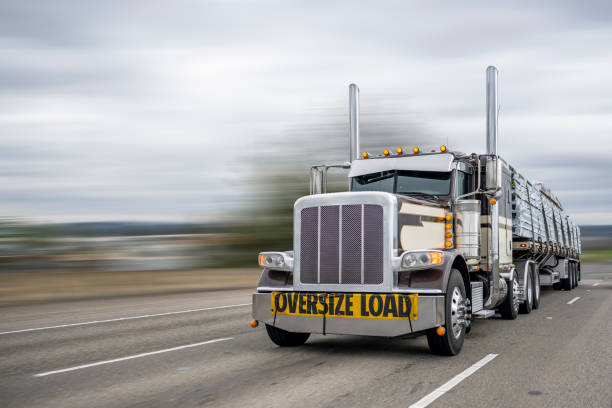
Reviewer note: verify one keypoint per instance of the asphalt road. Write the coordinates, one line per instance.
(557, 356)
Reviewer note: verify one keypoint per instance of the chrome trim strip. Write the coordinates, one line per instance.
(274, 289)
(340, 244)
(362, 242)
(319, 245)
(420, 291)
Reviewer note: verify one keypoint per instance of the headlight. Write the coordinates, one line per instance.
(276, 260)
(411, 260)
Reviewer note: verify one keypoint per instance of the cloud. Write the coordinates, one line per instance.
(129, 108)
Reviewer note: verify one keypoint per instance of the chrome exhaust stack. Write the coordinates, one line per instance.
(353, 122)
(493, 185)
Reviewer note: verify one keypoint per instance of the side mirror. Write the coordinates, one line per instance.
(494, 176)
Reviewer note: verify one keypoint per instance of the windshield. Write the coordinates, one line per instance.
(429, 183)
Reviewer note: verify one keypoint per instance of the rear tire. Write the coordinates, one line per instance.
(567, 283)
(451, 342)
(575, 270)
(509, 308)
(536, 289)
(286, 338)
(527, 305)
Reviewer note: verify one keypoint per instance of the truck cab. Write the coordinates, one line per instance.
(420, 243)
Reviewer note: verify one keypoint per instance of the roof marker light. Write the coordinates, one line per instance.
(442, 148)
(386, 152)
(415, 149)
(399, 151)
(364, 155)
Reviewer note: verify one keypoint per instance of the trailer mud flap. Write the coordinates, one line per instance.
(345, 305)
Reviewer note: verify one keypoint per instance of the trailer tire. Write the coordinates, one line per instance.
(286, 338)
(536, 290)
(509, 307)
(566, 284)
(448, 344)
(527, 305)
(575, 270)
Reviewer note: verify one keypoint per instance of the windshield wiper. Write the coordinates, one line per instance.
(419, 193)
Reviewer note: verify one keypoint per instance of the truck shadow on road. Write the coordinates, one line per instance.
(373, 346)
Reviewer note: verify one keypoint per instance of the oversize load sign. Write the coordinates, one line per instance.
(350, 305)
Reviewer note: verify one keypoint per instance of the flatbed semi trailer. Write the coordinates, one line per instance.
(422, 243)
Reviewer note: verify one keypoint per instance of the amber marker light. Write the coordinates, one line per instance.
(399, 150)
(449, 217)
(386, 152)
(448, 244)
(442, 148)
(449, 235)
(415, 150)
(440, 331)
(435, 258)
(262, 260)
(254, 324)
(448, 226)
(492, 201)
(523, 245)
(364, 155)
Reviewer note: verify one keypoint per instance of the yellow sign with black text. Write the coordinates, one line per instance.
(348, 305)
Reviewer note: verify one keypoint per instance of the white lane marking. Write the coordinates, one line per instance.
(119, 319)
(115, 360)
(573, 300)
(596, 284)
(444, 388)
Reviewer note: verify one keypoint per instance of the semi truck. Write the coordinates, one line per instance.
(423, 241)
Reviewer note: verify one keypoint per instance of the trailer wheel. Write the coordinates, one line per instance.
(575, 275)
(451, 342)
(510, 306)
(527, 305)
(286, 338)
(536, 290)
(566, 284)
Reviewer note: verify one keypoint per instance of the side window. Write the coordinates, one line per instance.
(464, 183)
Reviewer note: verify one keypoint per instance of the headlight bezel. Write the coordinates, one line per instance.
(411, 260)
(282, 261)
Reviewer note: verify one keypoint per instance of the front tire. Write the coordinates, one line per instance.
(286, 338)
(451, 342)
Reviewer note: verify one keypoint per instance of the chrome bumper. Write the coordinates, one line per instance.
(430, 314)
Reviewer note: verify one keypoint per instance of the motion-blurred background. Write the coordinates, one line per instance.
(150, 146)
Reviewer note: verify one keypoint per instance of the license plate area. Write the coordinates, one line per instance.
(346, 305)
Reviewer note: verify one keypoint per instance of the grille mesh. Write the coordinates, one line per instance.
(344, 246)
(329, 244)
(373, 244)
(309, 245)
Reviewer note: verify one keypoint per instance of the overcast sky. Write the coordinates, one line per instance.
(149, 110)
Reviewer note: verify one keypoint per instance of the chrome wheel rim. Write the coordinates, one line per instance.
(515, 294)
(455, 315)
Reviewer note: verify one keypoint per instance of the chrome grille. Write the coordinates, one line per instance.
(342, 244)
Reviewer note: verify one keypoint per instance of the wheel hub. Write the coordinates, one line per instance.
(461, 312)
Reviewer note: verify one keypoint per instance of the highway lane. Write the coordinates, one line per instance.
(559, 355)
